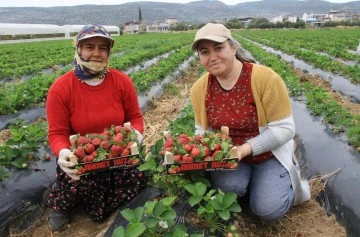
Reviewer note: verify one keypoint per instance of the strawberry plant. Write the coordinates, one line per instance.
(22, 146)
(212, 206)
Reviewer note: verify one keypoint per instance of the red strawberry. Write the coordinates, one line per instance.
(171, 171)
(96, 142)
(217, 147)
(187, 158)
(177, 158)
(169, 143)
(195, 152)
(89, 148)
(105, 144)
(82, 140)
(188, 147)
(125, 152)
(106, 133)
(207, 151)
(90, 158)
(129, 144)
(116, 150)
(47, 156)
(118, 129)
(183, 140)
(119, 137)
(79, 152)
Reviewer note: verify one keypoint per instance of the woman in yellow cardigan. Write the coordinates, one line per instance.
(252, 100)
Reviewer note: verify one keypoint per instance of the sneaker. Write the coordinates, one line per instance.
(58, 220)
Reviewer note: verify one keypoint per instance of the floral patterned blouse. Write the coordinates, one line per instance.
(236, 109)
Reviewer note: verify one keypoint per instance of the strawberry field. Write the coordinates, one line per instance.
(327, 123)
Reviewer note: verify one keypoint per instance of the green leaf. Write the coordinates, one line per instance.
(168, 215)
(201, 210)
(190, 188)
(235, 207)
(224, 214)
(194, 200)
(147, 165)
(118, 232)
(158, 209)
(129, 215)
(151, 222)
(217, 202)
(229, 198)
(135, 230)
(168, 201)
(200, 189)
(139, 212)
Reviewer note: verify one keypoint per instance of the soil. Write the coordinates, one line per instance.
(308, 219)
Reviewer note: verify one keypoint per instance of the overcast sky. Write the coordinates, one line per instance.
(51, 3)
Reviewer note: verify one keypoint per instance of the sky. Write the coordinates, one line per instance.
(52, 3)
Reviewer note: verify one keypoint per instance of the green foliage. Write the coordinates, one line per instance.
(156, 218)
(212, 206)
(185, 123)
(23, 145)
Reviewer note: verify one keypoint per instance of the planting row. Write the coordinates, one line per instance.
(23, 94)
(30, 58)
(296, 47)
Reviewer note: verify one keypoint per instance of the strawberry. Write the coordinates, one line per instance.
(177, 158)
(119, 137)
(187, 158)
(104, 144)
(125, 152)
(82, 140)
(47, 156)
(80, 152)
(207, 151)
(195, 152)
(116, 150)
(136, 161)
(169, 143)
(217, 147)
(171, 171)
(96, 142)
(89, 158)
(107, 134)
(183, 140)
(89, 148)
(129, 144)
(188, 147)
(118, 129)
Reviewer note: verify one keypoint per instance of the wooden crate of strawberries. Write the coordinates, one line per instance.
(211, 151)
(113, 148)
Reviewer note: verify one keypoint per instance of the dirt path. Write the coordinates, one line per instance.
(307, 219)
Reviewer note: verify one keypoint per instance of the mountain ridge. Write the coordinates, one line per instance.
(194, 12)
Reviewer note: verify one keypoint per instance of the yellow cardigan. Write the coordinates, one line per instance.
(269, 91)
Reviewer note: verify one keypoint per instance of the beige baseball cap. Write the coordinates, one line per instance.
(211, 31)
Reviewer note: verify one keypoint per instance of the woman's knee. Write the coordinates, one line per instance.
(271, 211)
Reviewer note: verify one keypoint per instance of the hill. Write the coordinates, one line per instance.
(193, 12)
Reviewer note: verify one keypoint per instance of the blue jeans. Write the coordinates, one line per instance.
(268, 183)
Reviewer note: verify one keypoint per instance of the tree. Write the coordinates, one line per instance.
(140, 16)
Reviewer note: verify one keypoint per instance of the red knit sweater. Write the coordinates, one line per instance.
(73, 107)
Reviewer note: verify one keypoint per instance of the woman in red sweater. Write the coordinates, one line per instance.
(88, 99)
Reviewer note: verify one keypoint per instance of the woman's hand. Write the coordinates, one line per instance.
(243, 151)
(66, 165)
